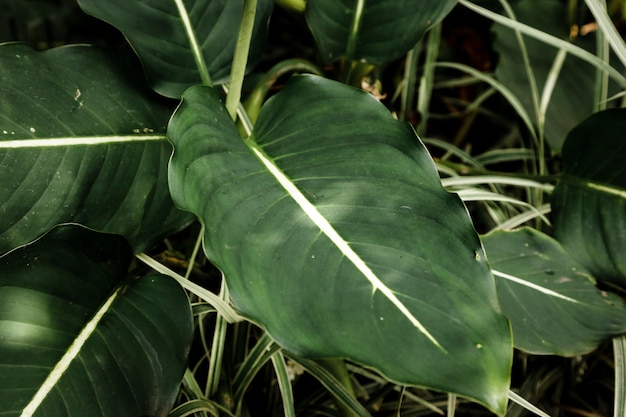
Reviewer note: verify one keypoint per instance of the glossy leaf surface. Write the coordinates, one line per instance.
(82, 141)
(589, 202)
(80, 338)
(551, 300)
(375, 31)
(186, 42)
(334, 232)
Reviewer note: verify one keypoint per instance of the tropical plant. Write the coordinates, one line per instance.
(339, 244)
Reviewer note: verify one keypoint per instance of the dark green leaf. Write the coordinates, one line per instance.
(551, 300)
(82, 139)
(334, 232)
(589, 202)
(67, 294)
(182, 43)
(376, 31)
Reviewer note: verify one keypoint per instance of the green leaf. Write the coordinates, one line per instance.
(572, 99)
(589, 202)
(80, 338)
(182, 43)
(334, 233)
(551, 300)
(375, 31)
(82, 139)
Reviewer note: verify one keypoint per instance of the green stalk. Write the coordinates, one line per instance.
(292, 5)
(240, 60)
(353, 39)
(338, 369)
(257, 97)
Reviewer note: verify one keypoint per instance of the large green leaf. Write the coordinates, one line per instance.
(375, 31)
(572, 99)
(335, 234)
(551, 300)
(185, 42)
(82, 139)
(589, 202)
(78, 337)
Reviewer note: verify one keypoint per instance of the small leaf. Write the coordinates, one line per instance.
(551, 300)
(589, 202)
(79, 338)
(82, 139)
(372, 31)
(334, 232)
(182, 43)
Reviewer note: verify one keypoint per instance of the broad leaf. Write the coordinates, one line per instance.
(80, 338)
(183, 43)
(589, 202)
(375, 31)
(551, 300)
(82, 139)
(334, 232)
(573, 97)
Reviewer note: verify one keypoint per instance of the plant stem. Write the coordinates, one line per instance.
(292, 5)
(353, 38)
(255, 99)
(240, 59)
(337, 367)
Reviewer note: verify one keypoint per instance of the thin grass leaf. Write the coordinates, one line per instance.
(523, 217)
(284, 383)
(222, 307)
(532, 82)
(256, 359)
(359, 370)
(448, 147)
(198, 309)
(526, 405)
(506, 93)
(407, 86)
(619, 356)
(451, 405)
(598, 9)
(495, 179)
(333, 386)
(481, 195)
(615, 74)
(498, 156)
(217, 348)
(428, 77)
(192, 407)
(553, 76)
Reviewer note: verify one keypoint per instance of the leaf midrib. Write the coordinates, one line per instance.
(79, 141)
(70, 355)
(329, 231)
(598, 186)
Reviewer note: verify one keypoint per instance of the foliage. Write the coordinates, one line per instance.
(339, 244)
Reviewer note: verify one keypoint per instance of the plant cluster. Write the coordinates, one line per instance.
(199, 221)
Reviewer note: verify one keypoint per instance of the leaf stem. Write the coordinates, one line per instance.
(255, 99)
(240, 58)
(338, 369)
(353, 38)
